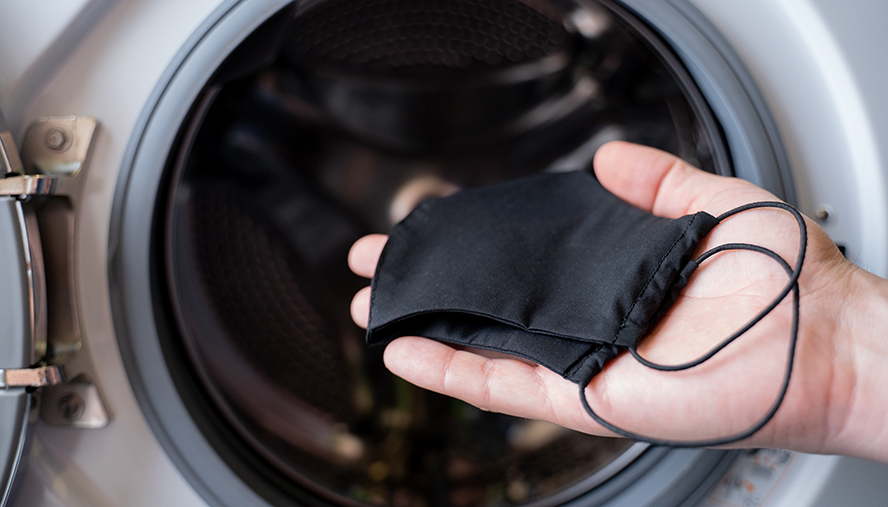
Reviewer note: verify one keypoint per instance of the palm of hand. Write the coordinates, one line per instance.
(720, 397)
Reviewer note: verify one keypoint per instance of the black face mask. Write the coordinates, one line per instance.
(553, 269)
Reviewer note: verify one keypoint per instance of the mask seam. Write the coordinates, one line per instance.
(487, 315)
(373, 284)
(519, 353)
(654, 274)
(579, 363)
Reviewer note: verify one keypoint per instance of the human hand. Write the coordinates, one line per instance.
(720, 397)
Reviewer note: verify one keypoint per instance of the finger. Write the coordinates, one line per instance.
(665, 185)
(360, 307)
(499, 384)
(364, 254)
(627, 394)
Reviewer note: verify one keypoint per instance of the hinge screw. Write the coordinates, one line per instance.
(71, 406)
(56, 139)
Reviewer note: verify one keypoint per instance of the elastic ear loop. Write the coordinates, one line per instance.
(792, 285)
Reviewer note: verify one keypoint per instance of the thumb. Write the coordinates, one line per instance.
(665, 185)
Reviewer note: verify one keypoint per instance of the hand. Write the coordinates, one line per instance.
(731, 391)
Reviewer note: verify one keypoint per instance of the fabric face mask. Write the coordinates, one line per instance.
(554, 269)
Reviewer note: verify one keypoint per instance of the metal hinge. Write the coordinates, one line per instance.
(40, 376)
(15, 183)
(24, 186)
(47, 178)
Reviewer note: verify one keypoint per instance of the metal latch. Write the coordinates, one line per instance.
(47, 179)
(40, 376)
(23, 186)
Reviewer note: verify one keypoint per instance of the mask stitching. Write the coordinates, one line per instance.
(653, 275)
(581, 362)
(375, 283)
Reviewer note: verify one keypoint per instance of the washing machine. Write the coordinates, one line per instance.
(182, 180)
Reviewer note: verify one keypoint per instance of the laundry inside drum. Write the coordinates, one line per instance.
(367, 108)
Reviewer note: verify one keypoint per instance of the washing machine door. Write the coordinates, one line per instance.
(18, 319)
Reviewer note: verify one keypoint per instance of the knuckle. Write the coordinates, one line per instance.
(486, 395)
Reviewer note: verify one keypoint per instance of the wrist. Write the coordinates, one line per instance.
(857, 422)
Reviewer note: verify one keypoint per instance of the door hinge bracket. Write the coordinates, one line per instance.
(51, 170)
